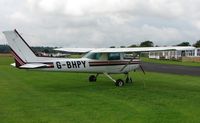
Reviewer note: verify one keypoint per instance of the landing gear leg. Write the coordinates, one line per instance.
(128, 79)
(117, 82)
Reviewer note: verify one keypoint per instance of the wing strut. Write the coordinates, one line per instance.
(128, 62)
(110, 77)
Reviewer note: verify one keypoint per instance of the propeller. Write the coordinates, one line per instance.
(142, 69)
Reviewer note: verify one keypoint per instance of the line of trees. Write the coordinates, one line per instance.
(6, 49)
(151, 44)
(197, 44)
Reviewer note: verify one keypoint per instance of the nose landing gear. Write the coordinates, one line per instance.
(118, 82)
(128, 79)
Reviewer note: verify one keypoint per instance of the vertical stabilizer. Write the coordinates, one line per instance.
(21, 51)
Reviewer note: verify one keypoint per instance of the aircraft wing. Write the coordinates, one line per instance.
(75, 50)
(137, 49)
(142, 49)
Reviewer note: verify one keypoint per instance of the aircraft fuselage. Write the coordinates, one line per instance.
(91, 66)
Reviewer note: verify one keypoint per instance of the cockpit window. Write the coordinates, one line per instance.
(113, 56)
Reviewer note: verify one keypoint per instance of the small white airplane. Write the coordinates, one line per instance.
(97, 60)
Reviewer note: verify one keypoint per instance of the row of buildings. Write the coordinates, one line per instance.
(190, 52)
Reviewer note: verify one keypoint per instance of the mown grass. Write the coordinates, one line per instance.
(59, 97)
(170, 62)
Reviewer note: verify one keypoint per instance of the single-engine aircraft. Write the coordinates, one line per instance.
(96, 60)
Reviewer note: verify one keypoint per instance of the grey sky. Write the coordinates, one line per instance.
(101, 23)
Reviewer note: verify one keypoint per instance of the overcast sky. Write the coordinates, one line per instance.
(101, 23)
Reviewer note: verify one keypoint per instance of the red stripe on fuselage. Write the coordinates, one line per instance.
(112, 63)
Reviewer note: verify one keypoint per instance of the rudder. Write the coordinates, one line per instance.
(20, 50)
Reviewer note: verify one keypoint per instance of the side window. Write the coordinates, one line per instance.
(94, 56)
(97, 55)
(113, 56)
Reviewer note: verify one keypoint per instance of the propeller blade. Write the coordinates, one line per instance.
(142, 69)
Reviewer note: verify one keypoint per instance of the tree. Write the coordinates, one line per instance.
(4, 49)
(197, 44)
(133, 45)
(147, 44)
(112, 46)
(122, 46)
(184, 44)
(46, 50)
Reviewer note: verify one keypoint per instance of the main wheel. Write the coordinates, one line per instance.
(119, 83)
(92, 78)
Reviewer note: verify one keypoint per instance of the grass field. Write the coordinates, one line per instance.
(170, 62)
(53, 97)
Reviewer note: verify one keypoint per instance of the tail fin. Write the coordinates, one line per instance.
(21, 51)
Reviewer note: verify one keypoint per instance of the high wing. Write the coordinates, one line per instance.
(127, 50)
(75, 50)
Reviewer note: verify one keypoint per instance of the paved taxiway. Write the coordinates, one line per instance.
(173, 69)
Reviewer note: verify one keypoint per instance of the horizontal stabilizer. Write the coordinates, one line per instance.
(13, 64)
(34, 65)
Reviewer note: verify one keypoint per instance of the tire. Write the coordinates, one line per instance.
(92, 78)
(119, 83)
